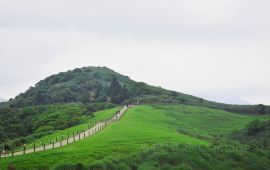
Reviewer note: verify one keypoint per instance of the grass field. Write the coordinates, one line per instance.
(141, 127)
(206, 121)
(97, 116)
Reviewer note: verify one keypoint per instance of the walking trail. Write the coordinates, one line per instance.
(89, 132)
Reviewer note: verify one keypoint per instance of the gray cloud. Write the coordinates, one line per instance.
(206, 48)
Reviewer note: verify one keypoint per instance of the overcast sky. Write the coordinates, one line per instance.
(216, 49)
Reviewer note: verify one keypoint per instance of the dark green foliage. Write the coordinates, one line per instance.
(100, 84)
(256, 135)
(86, 85)
(20, 141)
(90, 108)
(117, 93)
(38, 121)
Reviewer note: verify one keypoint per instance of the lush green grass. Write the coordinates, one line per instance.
(141, 127)
(23, 125)
(97, 116)
(91, 120)
(181, 157)
(206, 121)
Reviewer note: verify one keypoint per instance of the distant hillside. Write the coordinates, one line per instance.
(2, 100)
(101, 84)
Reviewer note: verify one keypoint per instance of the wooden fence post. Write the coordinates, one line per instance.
(1, 153)
(53, 144)
(44, 145)
(73, 136)
(34, 146)
(24, 150)
(12, 152)
(61, 141)
(84, 135)
(67, 138)
(79, 136)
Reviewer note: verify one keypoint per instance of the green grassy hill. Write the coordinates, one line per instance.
(69, 101)
(141, 129)
(67, 97)
(101, 84)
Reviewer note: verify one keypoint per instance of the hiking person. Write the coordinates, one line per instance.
(5, 149)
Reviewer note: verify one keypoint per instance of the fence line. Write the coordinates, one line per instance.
(91, 130)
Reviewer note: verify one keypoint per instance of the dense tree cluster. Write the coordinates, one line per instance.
(86, 85)
(100, 84)
(41, 120)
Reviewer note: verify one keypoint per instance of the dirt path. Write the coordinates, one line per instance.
(89, 132)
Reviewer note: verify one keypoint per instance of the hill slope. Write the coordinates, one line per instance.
(101, 84)
(53, 99)
(146, 126)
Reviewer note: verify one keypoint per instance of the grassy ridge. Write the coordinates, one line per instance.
(140, 128)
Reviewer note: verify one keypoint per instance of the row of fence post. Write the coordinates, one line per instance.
(95, 130)
(50, 142)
